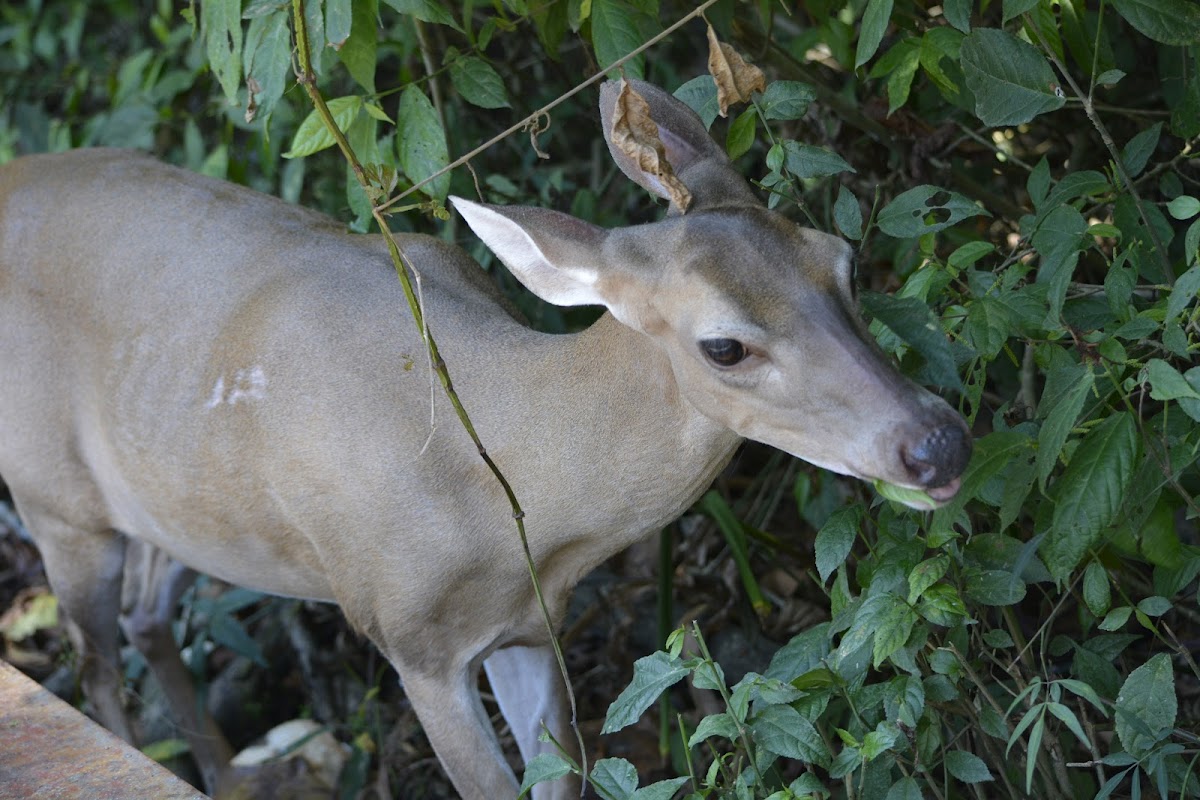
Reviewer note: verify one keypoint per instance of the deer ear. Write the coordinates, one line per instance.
(555, 255)
(697, 160)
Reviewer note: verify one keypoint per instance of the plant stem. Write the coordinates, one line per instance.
(307, 79)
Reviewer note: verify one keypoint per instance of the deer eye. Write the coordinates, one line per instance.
(723, 352)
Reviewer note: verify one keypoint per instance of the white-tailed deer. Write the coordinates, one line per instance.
(189, 365)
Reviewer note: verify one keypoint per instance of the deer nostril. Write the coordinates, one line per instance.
(940, 457)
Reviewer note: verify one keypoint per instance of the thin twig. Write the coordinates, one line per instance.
(549, 106)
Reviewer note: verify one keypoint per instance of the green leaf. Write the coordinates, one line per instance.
(912, 321)
(1154, 606)
(700, 95)
(1096, 593)
(906, 216)
(1067, 387)
(1038, 183)
(1191, 407)
(1110, 77)
(721, 725)
(1089, 494)
(905, 789)
(1139, 149)
(1184, 207)
(926, 574)
(1167, 21)
(741, 133)
(358, 50)
(1010, 78)
(913, 498)
(269, 58)
(1184, 293)
(1068, 718)
(782, 730)
(221, 21)
(958, 14)
(662, 790)
(783, 100)
(614, 778)
(616, 32)
(544, 767)
(422, 142)
(652, 675)
(426, 11)
(1147, 701)
(893, 626)
(808, 161)
(312, 136)
(835, 539)
(848, 215)
(994, 587)
(478, 83)
(1015, 8)
(874, 24)
(967, 767)
(1058, 241)
(1115, 620)
(989, 325)
(338, 16)
(1166, 383)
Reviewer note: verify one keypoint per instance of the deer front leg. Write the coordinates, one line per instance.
(529, 688)
(154, 583)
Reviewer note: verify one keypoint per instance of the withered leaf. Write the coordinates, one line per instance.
(636, 135)
(736, 80)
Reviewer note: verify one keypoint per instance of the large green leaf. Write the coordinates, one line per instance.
(269, 57)
(925, 209)
(313, 136)
(426, 11)
(652, 675)
(478, 83)
(1146, 705)
(806, 160)
(1090, 492)
(422, 142)
(358, 50)
(1058, 240)
(614, 778)
(1011, 80)
(912, 321)
(1067, 387)
(619, 28)
(835, 539)
(222, 23)
(1167, 21)
(783, 730)
(874, 24)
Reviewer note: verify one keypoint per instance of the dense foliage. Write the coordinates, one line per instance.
(1022, 181)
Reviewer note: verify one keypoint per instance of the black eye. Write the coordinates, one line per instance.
(723, 352)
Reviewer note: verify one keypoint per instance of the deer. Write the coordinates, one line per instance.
(196, 377)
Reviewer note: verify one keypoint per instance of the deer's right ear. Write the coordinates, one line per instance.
(555, 255)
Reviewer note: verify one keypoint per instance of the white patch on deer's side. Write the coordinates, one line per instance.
(247, 384)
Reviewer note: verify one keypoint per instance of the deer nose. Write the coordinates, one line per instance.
(939, 458)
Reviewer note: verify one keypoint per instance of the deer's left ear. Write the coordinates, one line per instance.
(698, 161)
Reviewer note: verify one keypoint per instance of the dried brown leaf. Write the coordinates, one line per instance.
(636, 135)
(736, 80)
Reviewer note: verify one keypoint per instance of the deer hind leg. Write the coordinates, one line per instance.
(529, 688)
(85, 569)
(153, 585)
(445, 695)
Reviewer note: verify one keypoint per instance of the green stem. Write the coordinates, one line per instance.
(307, 79)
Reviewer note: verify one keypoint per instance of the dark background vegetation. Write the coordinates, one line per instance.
(1038, 588)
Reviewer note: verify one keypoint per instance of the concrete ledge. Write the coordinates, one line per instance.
(50, 751)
